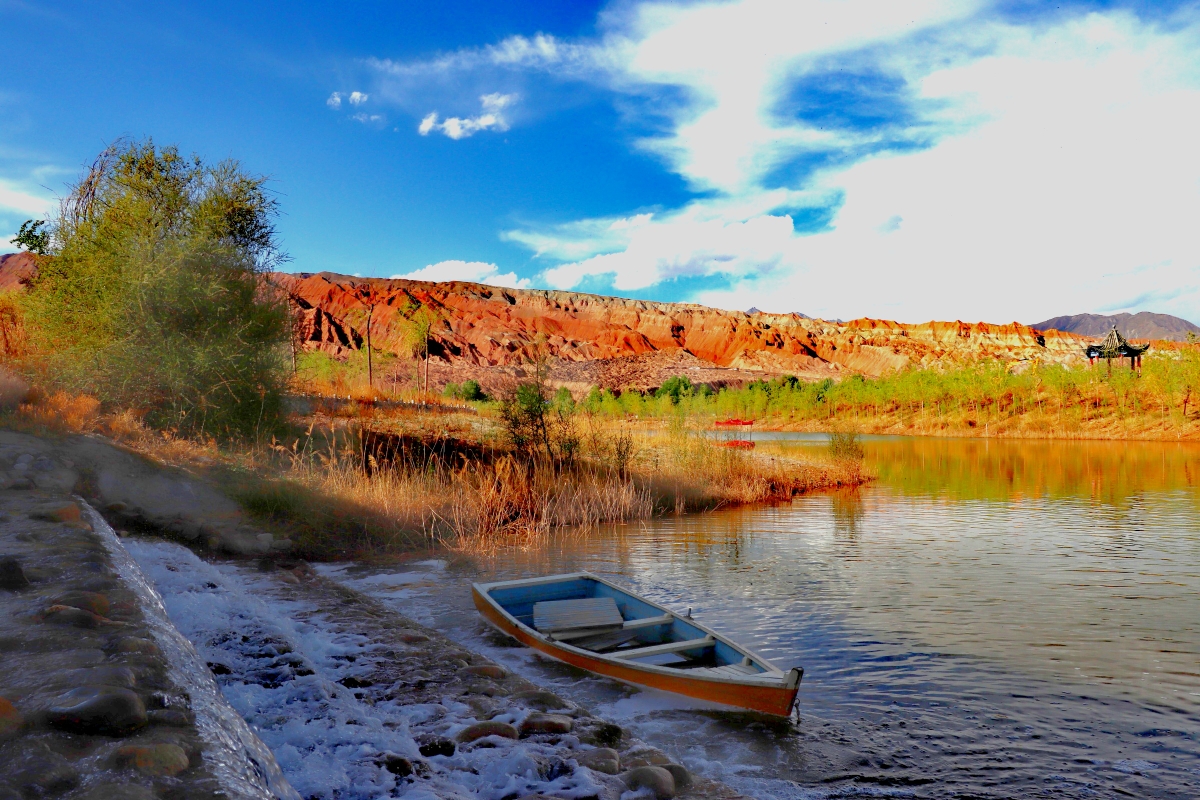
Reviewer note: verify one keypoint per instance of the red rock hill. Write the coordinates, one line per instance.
(485, 326)
(617, 342)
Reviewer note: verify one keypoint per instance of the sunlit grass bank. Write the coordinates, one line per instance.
(310, 482)
(986, 399)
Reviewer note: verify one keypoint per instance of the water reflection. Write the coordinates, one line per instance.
(1007, 469)
(990, 619)
(846, 506)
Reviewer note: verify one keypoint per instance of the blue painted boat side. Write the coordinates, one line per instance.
(519, 600)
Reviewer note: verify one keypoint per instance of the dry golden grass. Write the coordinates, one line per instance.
(311, 485)
(58, 412)
(689, 472)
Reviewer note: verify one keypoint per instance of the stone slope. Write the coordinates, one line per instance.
(486, 326)
(91, 700)
(16, 269)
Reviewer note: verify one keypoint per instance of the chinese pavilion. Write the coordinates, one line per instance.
(1115, 346)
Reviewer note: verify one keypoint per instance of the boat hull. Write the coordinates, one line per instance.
(777, 700)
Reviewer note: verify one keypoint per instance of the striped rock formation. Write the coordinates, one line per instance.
(486, 326)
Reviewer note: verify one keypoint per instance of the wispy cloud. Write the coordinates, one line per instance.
(472, 271)
(462, 127)
(516, 52)
(366, 118)
(334, 100)
(18, 198)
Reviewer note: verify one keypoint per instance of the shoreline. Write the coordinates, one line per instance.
(868, 429)
(281, 641)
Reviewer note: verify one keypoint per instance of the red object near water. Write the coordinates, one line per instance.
(735, 421)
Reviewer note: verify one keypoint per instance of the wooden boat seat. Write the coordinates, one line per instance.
(729, 671)
(668, 647)
(559, 616)
(602, 642)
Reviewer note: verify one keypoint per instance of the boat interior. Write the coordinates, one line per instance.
(591, 615)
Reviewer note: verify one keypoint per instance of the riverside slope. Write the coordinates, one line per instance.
(485, 327)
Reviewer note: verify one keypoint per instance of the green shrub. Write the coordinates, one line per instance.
(467, 390)
(675, 388)
(154, 294)
(845, 445)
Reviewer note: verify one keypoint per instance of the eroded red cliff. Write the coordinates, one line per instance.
(486, 326)
(620, 342)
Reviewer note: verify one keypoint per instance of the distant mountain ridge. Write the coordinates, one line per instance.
(1142, 325)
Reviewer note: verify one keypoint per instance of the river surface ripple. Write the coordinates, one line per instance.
(988, 620)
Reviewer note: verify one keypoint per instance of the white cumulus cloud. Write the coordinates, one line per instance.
(1024, 166)
(492, 117)
(1047, 168)
(358, 98)
(472, 271)
(334, 100)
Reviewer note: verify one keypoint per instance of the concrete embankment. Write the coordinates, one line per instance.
(98, 698)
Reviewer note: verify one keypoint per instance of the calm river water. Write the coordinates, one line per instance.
(989, 619)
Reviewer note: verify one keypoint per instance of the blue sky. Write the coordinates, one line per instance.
(917, 160)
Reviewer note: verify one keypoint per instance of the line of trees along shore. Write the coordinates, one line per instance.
(983, 397)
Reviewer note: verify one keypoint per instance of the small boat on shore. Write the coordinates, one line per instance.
(588, 622)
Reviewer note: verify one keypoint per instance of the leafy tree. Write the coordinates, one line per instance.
(155, 295)
(469, 390)
(32, 237)
(524, 412)
(675, 388)
(537, 424)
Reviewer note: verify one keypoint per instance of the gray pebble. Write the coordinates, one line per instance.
(96, 710)
(656, 779)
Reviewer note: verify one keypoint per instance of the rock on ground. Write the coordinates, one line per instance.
(80, 710)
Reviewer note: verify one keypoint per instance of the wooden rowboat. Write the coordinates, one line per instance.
(588, 622)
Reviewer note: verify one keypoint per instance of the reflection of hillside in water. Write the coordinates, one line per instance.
(970, 469)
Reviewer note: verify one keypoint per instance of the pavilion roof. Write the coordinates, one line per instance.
(1115, 346)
